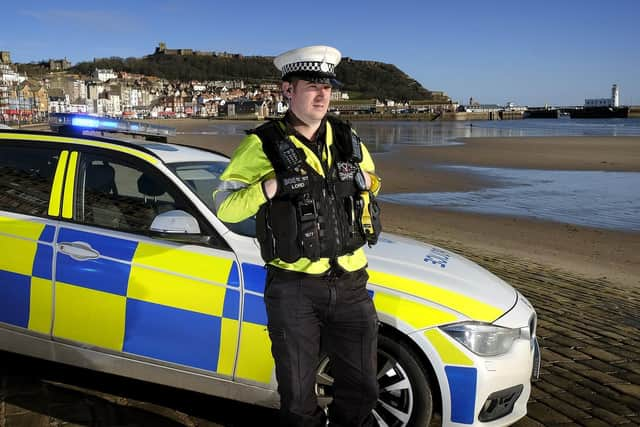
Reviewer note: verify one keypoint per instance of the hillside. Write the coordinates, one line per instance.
(365, 79)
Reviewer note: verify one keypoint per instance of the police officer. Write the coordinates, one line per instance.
(310, 182)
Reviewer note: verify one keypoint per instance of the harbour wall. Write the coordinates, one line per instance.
(444, 116)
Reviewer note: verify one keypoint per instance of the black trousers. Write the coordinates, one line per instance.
(334, 315)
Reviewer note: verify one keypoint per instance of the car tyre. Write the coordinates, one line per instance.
(405, 397)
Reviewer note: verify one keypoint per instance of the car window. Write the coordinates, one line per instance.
(110, 196)
(26, 177)
(204, 178)
(120, 194)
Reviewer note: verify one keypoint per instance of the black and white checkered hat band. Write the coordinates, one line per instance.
(308, 66)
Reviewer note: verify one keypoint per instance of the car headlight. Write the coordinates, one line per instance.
(482, 338)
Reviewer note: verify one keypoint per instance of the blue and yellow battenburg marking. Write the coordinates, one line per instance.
(415, 314)
(461, 303)
(254, 353)
(26, 273)
(459, 368)
(150, 300)
(146, 299)
(461, 373)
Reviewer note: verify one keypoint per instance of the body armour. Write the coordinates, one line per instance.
(327, 220)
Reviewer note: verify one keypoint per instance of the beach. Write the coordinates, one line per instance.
(583, 282)
(590, 252)
(593, 253)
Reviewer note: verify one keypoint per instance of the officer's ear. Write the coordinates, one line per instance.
(287, 89)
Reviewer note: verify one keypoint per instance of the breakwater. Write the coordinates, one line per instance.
(443, 116)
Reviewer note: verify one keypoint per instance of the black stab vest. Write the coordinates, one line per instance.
(326, 221)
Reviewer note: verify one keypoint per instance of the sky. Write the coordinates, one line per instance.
(535, 52)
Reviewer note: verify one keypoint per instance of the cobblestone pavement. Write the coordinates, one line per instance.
(589, 335)
(34, 393)
(589, 332)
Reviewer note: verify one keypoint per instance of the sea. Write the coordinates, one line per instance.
(599, 199)
(382, 136)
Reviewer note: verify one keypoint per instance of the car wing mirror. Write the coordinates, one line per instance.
(178, 226)
(175, 222)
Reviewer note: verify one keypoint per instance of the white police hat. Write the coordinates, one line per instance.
(312, 63)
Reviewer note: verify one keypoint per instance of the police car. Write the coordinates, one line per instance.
(112, 259)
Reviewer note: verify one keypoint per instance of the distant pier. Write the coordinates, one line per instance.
(582, 112)
(439, 116)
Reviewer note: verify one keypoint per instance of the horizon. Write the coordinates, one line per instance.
(543, 53)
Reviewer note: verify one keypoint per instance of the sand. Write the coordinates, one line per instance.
(612, 256)
(590, 252)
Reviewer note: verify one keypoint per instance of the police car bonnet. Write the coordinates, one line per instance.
(311, 63)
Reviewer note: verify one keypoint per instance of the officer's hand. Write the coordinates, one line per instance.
(270, 187)
(367, 180)
(292, 183)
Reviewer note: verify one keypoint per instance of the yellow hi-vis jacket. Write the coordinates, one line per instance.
(240, 194)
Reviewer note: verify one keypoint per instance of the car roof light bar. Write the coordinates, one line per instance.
(75, 124)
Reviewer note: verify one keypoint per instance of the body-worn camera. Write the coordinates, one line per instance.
(307, 209)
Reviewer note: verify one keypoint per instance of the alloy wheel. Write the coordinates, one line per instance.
(395, 400)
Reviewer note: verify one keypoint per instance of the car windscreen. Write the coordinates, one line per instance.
(204, 178)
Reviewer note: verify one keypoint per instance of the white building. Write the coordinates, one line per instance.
(282, 107)
(78, 90)
(78, 108)
(8, 75)
(598, 102)
(135, 97)
(337, 95)
(94, 90)
(614, 101)
(512, 106)
(104, 74)
(106, 106)
(58, 106)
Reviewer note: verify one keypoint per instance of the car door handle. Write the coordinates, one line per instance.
(78, 250)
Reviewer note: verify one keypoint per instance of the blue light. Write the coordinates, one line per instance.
(108, 124)
(85, 122)
(59, 121)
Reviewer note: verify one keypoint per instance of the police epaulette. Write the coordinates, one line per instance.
(279, 149)
(346, 140)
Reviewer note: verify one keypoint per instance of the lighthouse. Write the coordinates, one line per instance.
(615, 96)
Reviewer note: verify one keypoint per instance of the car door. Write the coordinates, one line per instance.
(30, 183)
(254, 363)
(118, 288)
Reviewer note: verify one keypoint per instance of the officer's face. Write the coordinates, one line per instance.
(309, 101)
